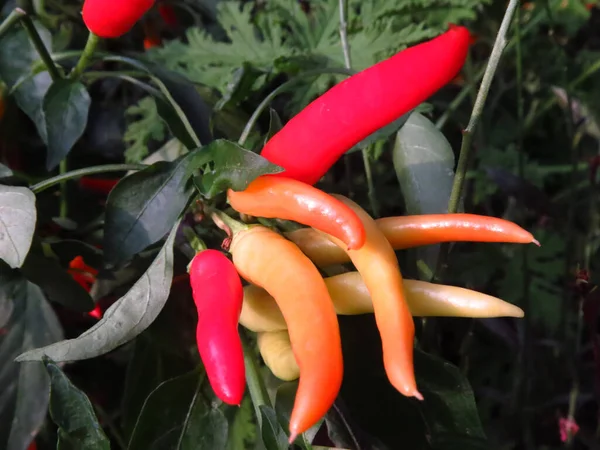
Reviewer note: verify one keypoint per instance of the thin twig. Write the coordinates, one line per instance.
(39, 45)
(343, 4)
(86, 56)
(11, 20)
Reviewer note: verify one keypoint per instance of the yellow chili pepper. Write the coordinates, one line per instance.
(276, 350)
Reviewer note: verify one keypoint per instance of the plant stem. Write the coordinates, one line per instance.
(10, 21)
(39, 45)
(283, 88)
(256, 387)
(465, 149)
(43, 185)
(86, 56)
(64, 206)
(343, 4)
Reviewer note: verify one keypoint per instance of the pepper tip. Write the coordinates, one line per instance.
(293, 437)
(536, 242)
(418, 395)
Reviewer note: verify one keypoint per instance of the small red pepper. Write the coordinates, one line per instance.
(285, 198)
(312, 141)
(218, 295)
(167, 12)
(98, 185)
(113, 18)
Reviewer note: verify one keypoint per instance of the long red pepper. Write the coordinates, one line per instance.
(218, 294)
(113, 18)
(312, 141)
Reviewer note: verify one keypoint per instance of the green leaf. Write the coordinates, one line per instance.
(242, 430)
(143, 206)
(17, 57)
(57, 284)
(5, 171)
(125, 319)
(240, 86)
(27, 321)
(382, 133)
(73, 413)
(234, 167)
(176, 416)
(17, 224)
(273, 435)
(449, 409)
(65, 108)
(284, 404)
(274, 124)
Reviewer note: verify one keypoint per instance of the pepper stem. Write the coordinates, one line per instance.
(227, 224)
(86, 56)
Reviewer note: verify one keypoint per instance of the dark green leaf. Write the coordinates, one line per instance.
(273, 435)
(73, 413)
(17, 57)
(27, 321)
(176, 417)
(143, 207)
(17, 224)
(66, 106)
(234, 167)
(125, 319)
(243, 428)
(5, 171)
(284, 403)
(57, 284)
(382, 133)
(240, 86)
(449, 409)
(68, 249)
(274, 124)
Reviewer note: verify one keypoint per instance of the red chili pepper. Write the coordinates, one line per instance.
(82, 273)
(113, 18)
(312, 141)
(167, 12)
(218, 294)
(289, 199)
(98, 185)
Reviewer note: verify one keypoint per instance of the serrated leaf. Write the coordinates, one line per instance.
(125, 319)
(234, 167)
(17, 57)
(273, 435)
(27, 321)
(143, 206)
(71, 410)
(176, 416)
(65, 106)
(17, 224)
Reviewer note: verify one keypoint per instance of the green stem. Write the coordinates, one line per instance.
(43, 185)
(465, 149)
(39, 45)
(283, 88)
(343, 5)
(226, 223)
(64, 206)
(86, 56)
(256, 387)
(16, 15)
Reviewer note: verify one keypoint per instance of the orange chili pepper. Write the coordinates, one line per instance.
(288, 199)
(377, 264)
(413, 231)
(270, 261)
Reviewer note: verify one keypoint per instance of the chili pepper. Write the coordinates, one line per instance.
(313, 140)
(218, 294)
(276, 350)
(98, 185)
(270, 261)
(82, 273)
(413, 231)
(167, 12)
(289, 199)
(378, 266)
(113, 18)
(350, 296)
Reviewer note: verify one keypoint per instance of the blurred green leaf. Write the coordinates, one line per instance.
(273, 435)
(274, 124)
(284, 404)
(26, 321)
(125, 319)
(17, 223)
(65, 108)
(176, 416)
(243, 428)
(73, 413)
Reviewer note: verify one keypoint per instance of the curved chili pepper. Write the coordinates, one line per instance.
(350, 296)
(270, 261)
(413, 231)
(217, 291)
(276, 350)
(289, 199)
(313, 140)
(378, 266)
(113, 18)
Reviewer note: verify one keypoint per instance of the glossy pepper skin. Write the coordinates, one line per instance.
(270, 261)
(218, 294)
(313, 140)
(377, 264)
(276, 350)
(350, 296)
(288, 199)
(113, 18)
(413, 231)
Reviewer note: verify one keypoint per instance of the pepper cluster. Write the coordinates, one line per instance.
(291, 306)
